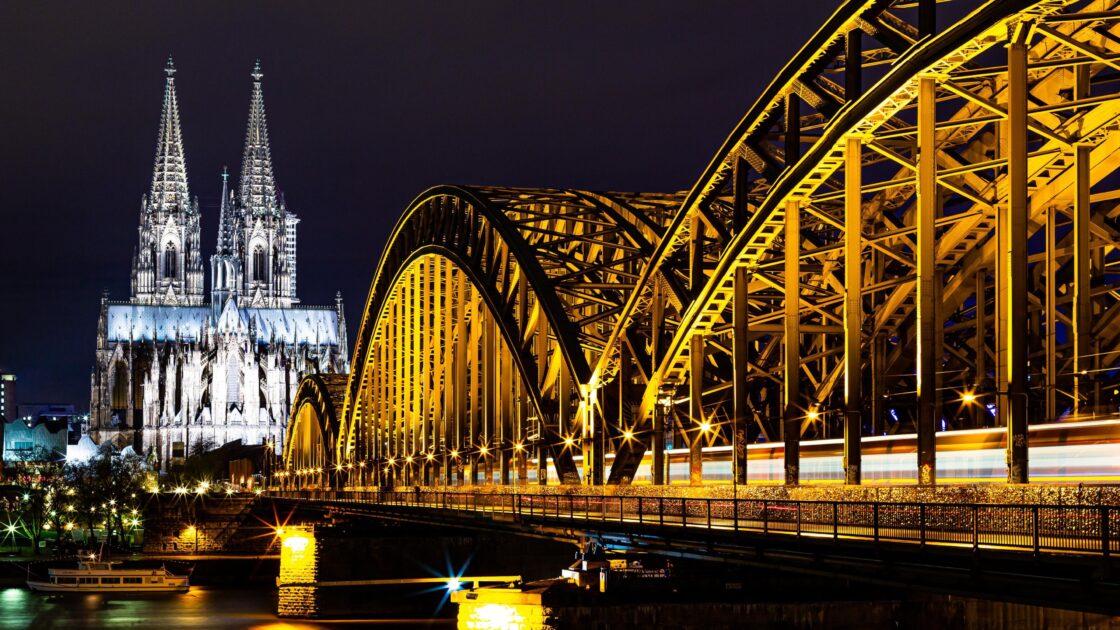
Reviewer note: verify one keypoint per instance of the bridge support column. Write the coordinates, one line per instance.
(700, 426)
(740, 342)
(565, 423)
(853, 311)
(1051, 315)
(1082, 287)
(540, 341)
(503, 447)
(657, 471)
(981, 343)
(299, 572)
(696, 357)
(1012, 281)
(925, 220)
(791, 417)
(593, 426)
(741, 385)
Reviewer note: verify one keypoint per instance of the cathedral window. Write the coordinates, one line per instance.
(120, 386)
(259, 274)
(170, 262)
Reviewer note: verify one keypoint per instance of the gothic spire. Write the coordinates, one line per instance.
(227, 225)
(258, 187)
(169, 178)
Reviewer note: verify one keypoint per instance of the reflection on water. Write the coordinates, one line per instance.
(200, 608)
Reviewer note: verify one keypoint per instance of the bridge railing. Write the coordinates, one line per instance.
(1035, 528)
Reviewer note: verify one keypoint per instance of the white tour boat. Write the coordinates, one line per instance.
(96, 576)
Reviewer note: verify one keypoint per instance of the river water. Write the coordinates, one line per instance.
(201, 608)
(255, 608)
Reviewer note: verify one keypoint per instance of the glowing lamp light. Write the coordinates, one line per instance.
(495, 616)
(813, 414)
(297, 544)
(455, 453)
(453, 584)
(569, 441)
(628, 435)
(483, 450)
(429, 457)
(968, 397)
(705, 426)
(408, 460)
(518, 447)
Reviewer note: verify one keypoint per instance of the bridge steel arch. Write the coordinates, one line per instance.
(770, 281)
(313, 430)
(507, 295)
(919, 214)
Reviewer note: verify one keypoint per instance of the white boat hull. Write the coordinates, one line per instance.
(49, 587)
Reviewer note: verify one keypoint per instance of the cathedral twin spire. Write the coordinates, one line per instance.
(169, 180)
(255, 254)
(258, 187)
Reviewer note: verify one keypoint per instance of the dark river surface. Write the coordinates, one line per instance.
(202, 608)
(216, 607)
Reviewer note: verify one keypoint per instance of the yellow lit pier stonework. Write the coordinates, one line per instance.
(505, 608)
(299, 572)
(898, 268)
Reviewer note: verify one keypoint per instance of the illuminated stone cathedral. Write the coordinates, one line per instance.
(174, 369)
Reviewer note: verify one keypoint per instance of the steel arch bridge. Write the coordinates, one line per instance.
(914, 229)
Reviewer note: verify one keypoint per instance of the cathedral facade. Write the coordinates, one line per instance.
(174, 369)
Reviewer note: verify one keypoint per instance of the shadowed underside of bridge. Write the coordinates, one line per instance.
(914, 229)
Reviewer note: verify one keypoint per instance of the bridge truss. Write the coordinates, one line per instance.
(914, 229)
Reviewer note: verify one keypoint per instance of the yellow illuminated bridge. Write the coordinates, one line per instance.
(900, 267)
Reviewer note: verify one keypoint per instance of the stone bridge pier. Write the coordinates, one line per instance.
(352, 568)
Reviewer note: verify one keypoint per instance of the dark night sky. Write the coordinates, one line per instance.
(368, 105)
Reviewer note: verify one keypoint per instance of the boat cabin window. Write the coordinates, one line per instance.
(154, 580)
(87, 580)
(66, 580)
(110, 580)
(133, 580)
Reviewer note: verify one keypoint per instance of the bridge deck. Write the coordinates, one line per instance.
(1060, 529)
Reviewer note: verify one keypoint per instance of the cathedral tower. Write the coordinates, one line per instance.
(167, 263)
(267, 229)
(225, 264)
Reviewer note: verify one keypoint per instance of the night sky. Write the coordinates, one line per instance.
(368, 105)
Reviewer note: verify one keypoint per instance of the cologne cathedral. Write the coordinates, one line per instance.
(175, 370)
